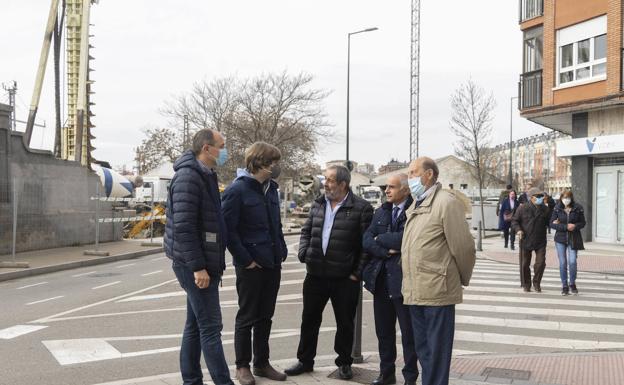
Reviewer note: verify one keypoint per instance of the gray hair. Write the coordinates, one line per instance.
(342, 174)
(201, 137)
(403, 179)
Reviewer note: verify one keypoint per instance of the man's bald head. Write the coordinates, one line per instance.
(425, 168)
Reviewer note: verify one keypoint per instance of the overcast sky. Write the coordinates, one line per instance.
(148, 50)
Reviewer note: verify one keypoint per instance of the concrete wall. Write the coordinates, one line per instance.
(54, 207)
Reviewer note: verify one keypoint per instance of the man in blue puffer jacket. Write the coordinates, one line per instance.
(383, 277)
(195, 241)
(252, 214)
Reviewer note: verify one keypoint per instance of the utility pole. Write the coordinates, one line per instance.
(12, 90)
(185, 133)
(415, 81)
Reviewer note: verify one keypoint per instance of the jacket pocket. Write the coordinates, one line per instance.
(431, 281)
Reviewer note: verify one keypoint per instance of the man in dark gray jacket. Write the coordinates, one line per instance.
(331, 247)
(195, 241)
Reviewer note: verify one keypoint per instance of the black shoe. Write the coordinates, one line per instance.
(573, 289)
(298, 368)
(512, 247)
(345, 372)
(537, 287)
(505, 245)
(385, 380)
(565, 291)
(410, 382)
(527, 289)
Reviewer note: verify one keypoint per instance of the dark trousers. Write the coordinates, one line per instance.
(509, 235)
(387, 310)
(202, 331)
(257, 292)
(434, 330)
(538, 268)
(344, 294)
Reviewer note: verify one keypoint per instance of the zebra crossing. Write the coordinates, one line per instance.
(498, 317)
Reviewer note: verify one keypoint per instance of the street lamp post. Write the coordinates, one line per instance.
(356, 352)
(511, 139)
(348, 81)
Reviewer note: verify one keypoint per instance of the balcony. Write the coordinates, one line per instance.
(529, 9)
(530, 89)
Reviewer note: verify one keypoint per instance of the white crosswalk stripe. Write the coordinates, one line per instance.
(498, 316)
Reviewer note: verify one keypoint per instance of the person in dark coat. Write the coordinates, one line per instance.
(252, 214)
(530, 223)
(508, 208)
(382, 277)
(195, 239)
(524, 197)
(331, 248)
(568, 218)
(550, 203)
(504, 194)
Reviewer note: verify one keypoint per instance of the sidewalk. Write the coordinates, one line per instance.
(48, 261)
(598, 258)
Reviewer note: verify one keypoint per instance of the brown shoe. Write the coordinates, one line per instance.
(269, 372)
(244, 376)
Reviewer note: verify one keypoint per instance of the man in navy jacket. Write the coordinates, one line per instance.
(255, 239)
(195, 241)
(383, 276)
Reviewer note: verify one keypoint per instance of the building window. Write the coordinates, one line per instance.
(582, 52)
(533, 43)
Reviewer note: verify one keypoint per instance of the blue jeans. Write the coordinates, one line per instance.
(434, 330)
(202, 331)
(567, 261)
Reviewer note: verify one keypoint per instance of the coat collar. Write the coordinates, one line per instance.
(348, 203)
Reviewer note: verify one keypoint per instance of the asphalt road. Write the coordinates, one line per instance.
(124, 320)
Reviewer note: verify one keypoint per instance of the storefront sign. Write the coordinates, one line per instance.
(590, 146)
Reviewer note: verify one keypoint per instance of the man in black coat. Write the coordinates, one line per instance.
(252, 213)
(383, 277)
(331, 247)
(195, 241)
(530, 222)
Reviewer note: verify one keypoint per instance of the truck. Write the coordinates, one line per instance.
(161, 189)
(372, 194)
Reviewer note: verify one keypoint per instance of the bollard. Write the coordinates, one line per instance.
(356, 351)
(97, 216)
(479, 238)
(152, 216)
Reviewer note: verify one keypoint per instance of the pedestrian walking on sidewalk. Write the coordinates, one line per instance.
(331, 247)
(195, 239)
(550, 203)
(507, 210)
(530, 223)
(437, 258)
(568, 218)
(383, 276)
(251, 210)
(504, 194)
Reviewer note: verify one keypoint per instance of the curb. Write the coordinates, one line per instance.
(73, 265)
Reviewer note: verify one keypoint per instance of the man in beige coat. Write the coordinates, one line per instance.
(437, 258)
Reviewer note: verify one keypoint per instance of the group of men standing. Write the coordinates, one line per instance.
(414, 254)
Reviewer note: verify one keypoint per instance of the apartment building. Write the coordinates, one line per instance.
(535, 161)
(572, 82)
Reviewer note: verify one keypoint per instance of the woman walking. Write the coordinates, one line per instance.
(568, 218)
(506, 213)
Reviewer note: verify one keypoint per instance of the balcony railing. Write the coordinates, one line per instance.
(530, 9)
(530, 89)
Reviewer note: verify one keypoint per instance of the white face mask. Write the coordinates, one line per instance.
(566, 201)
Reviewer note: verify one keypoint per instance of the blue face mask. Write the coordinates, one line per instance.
(223, 157)
(416, 187)
(539, 201)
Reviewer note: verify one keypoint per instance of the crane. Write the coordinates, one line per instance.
(73, 140)
(415, 80)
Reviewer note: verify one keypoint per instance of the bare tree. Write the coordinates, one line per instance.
(280, 109)
(471, 121)
(160, 144)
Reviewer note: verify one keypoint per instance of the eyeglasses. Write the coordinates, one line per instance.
(539, 195)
